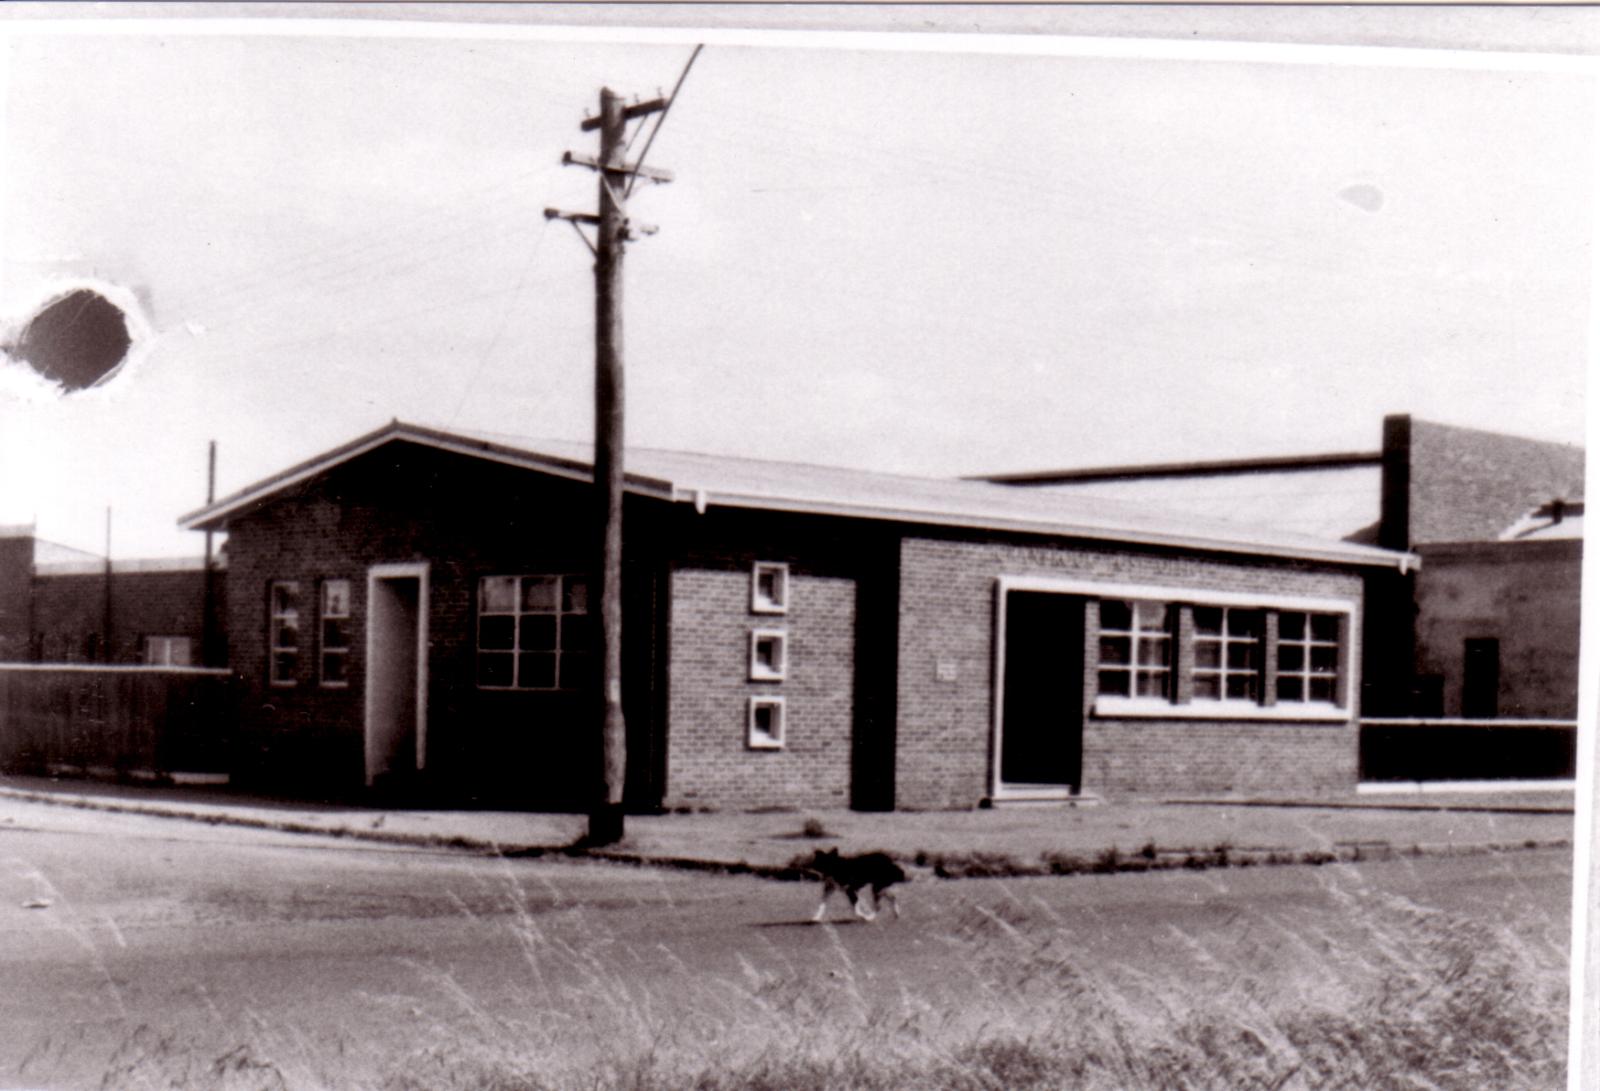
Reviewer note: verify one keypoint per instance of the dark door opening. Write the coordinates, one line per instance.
(1041, 723)
(1480, 678)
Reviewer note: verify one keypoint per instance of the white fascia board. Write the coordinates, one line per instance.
(1365, 556)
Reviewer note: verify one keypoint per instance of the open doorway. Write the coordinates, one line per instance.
(397, 671)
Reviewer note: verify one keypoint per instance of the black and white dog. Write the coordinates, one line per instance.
(873, 871)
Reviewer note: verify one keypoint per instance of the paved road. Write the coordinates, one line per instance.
(133, 945)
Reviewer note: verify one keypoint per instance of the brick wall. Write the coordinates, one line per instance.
(1527, 595)
(16, 577)
(946, 679)
(69, 613)
(709, 761)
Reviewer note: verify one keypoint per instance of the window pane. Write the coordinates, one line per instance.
(539, 593)
(283, 666)
(1291, 626)
(1324, 660)
(1116, 615)
(497, 594)
(767, 653)
(1153, 684)
(286, 634)
(335, 598)
(333, 668)
(1207, 687)
(1153, 653)
(1289, 689)
(494, 669)
(1207, 653)
(536, 671)
(575, 595)
(335, 633)
(1151, 615)
(1208, 619)
(1324, 627)
(1114, 683)
(1291, 657)
(1242, 685)
(1322, 689)
(577, 633)
(285, 597)
(538, 633)
(1115, 650)
(575, 668)
(1244, 622)
(1241, 656)
(495, 632)
(766, 720)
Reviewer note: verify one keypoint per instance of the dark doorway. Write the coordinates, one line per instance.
(1041, 724)
(1480, 678)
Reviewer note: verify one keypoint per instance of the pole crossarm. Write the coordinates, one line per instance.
(637, 170)
(638, 109)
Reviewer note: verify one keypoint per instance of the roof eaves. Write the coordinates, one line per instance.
(1333, 552)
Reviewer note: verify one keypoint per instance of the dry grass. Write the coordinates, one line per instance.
(1374, 993)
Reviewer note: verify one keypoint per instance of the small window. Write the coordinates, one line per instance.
(1135, 649)
(335, 633)
(1227, 653)
(766, 723)
(1308, 657)
(769, 655)
(769, 588)
(283, 653)
(533, 632)
(168, 651)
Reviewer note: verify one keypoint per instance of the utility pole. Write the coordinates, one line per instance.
(208, 591)
(612, 232)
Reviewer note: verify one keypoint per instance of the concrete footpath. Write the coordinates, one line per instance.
(1033, 840)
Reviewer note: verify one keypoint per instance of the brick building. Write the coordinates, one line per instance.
(414, 608)
(65, 605)
(1487, 625)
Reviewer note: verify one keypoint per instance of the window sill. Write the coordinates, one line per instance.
(1149, 708)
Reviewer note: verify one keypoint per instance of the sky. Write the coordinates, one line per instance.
(954, 257)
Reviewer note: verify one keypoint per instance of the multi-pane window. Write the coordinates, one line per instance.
(1227, 653)
(1308, 657)
(533, 632)
(1135, 649)
(283, 652)
(334, 609)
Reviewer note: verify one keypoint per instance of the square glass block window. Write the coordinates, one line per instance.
(769, 655)
(769, 588)
(765, 729)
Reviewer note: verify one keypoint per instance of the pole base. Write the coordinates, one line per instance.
(605, 825)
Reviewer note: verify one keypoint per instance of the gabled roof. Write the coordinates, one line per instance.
(724, 481)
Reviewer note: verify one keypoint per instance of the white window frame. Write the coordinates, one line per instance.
(1225, 640)
(274, 616)
(323, 650)
(759, 671)
(516, 614)
(1343, 711)
(767, 604)
(757, 739)
(1137, 637)
(1306, 674)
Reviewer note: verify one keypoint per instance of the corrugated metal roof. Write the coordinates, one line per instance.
(727, 481)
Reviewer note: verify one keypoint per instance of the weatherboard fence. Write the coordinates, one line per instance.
(1425, 750)
(121, 720)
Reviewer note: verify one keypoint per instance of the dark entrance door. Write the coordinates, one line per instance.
(1480, 678)
(1041, 720)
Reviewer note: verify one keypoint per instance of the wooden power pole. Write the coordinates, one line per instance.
(612, 232)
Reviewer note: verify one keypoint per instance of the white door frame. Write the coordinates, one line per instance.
(417, 570)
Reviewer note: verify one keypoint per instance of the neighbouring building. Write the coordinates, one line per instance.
(1487, 626)
(64, 605)
(415, 608)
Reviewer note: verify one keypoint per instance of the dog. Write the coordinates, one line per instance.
(853, 874)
